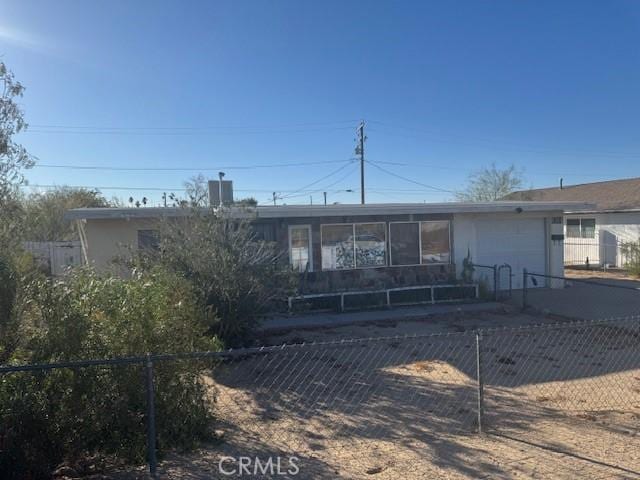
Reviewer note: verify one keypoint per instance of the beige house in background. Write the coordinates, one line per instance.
(110, 233)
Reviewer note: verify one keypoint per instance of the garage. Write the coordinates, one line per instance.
(518, 242)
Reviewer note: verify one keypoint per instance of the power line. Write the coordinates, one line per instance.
(327, 187)
(493, 144)
(152, 132)
(187, 169)
(159, 189)
(210, 127)
(320, 179)
(388, 172)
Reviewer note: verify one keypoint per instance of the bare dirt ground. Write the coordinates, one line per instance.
(599, 274)
(559, 403)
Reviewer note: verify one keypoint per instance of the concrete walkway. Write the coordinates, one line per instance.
(400, 313)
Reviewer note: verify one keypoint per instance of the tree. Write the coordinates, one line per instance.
(14, 158)
(44, 212)
(490, 184)
(197, 189)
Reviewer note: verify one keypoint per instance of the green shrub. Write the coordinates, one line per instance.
(631, 253)
(61, 415)
(236, 276)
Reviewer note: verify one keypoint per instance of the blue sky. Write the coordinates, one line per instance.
(445, 88)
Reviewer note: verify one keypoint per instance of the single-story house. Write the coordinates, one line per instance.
(350, 247)
(597, 236)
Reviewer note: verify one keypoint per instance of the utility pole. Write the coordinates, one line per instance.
(274, 198)
(360, 151)
(325, 197)
(164, 197)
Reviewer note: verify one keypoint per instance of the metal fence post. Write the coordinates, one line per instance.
(480, 381)
(524, 288)
(151, 419)
(495, 282)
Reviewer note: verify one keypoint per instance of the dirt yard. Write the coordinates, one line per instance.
(599, 274)
(559, 403)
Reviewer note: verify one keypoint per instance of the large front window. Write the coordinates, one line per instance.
(405, 243)
(371, 245)
(362, 245)
(337, 247)
(434, 239)
(353, 245)
(420, 243)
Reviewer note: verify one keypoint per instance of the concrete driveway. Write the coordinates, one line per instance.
(603, 298)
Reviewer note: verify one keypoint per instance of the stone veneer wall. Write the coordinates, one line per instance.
(375, 278)
(327, 281)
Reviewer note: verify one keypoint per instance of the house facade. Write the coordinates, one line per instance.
(596, 237)
(359, 247)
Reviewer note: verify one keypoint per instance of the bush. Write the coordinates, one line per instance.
(63, 415)
(236, 276)
(631, 253)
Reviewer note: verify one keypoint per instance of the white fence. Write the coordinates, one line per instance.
(55, 257)
(593, 252)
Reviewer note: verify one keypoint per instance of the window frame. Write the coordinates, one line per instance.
(308, 227)
(448, 241)
(150, 233)
(420, 222)
(580, 228)
(353, 233)
(419, 244)
(355, 243)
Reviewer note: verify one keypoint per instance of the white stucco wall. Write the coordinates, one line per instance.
(108, 239)
(611, 230)
(521, 240)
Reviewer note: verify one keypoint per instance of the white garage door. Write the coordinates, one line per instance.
(518, 242)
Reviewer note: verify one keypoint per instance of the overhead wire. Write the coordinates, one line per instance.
(389, 172)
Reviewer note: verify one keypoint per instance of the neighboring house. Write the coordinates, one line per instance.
(595, 237)
(351, 247)
(55, 257)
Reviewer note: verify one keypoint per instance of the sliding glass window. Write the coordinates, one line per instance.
(435, 242)
(337, 247)
(371, 245)
(404, 238)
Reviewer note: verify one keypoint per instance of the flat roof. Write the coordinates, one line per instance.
(300, 211)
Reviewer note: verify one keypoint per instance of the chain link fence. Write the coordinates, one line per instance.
(422, 406)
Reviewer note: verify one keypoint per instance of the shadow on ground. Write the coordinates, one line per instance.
(409, 406)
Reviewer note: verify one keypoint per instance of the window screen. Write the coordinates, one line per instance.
(148, 240)
(370, 245)
(404, 243)
(337, 247)
(435, 242)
